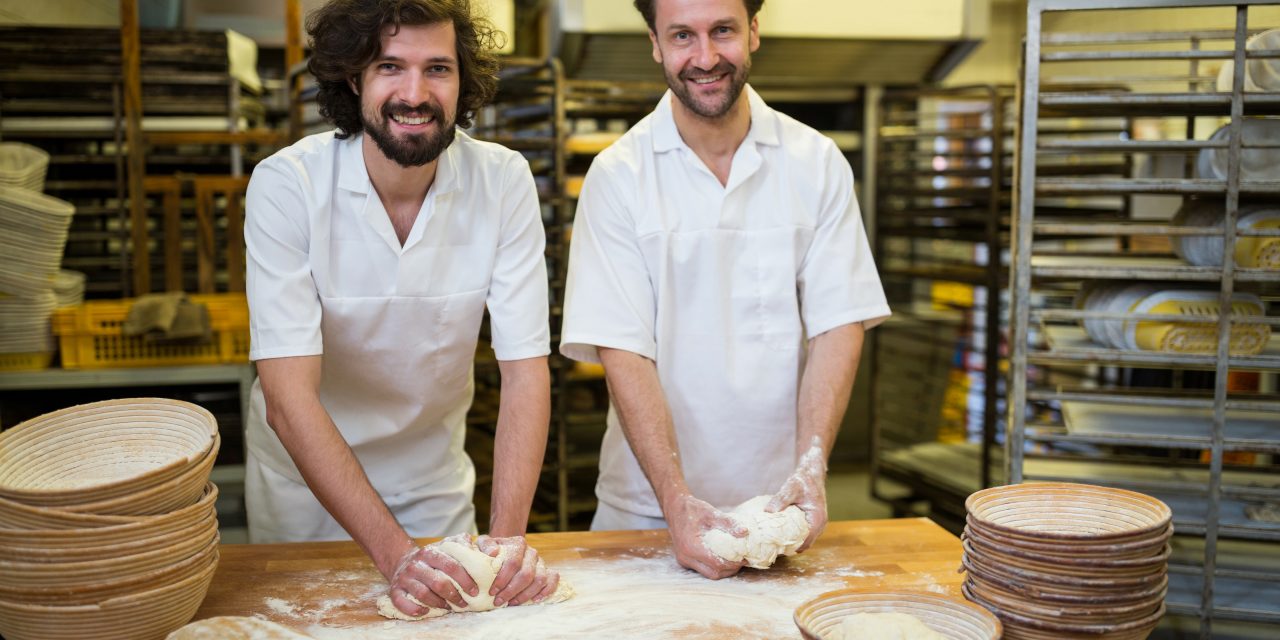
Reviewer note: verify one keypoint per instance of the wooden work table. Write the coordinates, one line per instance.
(628, 585)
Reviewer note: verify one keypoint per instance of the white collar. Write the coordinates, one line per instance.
(763, 129)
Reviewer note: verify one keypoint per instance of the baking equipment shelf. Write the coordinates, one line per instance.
(1154, 422)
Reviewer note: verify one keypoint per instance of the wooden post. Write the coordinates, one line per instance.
(208, 192)
(206, 261)
(131, 62)
(170, 191)
(292, 57)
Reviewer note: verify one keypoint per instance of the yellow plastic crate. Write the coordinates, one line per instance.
(90, 337)
(25, 361)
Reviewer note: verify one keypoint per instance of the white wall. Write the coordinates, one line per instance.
(998, 59)
(905, 19)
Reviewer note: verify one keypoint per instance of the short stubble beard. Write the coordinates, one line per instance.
(737, 81)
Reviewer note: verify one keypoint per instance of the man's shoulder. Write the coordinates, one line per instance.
(483, 152)
(626, 154)
(319, 147)
(801, 140)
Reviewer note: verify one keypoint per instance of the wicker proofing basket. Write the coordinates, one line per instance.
(59, 531)
(23, 166)
(175, 493)
(89, 581)
(145, 615)
(1067, 512)
(953, 618)
(137, 539)
(104, 451)
(1131, 547)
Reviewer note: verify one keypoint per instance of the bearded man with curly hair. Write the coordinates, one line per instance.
(373, 251)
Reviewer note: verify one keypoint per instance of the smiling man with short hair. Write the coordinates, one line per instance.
(720, 272)
(373, 252)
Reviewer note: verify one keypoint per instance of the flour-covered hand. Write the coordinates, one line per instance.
(688, 518)
(523, 576)
(422, 580)
(806, 488)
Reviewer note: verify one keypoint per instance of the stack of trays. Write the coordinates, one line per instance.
(1251, 252)
(23, 166)
(68, 287)
(107, 520)
(1059, 560)
(26, 322)
(1191, 336)
(33, 231)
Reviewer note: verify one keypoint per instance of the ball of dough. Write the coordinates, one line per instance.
(482, 567)
(769, 534)
(884, 626)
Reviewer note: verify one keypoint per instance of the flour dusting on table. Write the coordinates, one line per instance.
(626, 598)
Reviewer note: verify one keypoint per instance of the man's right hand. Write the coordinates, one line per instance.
(687, 519)
(424, 573)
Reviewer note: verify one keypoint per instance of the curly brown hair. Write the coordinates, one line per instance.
(346, 36)
(646, 9)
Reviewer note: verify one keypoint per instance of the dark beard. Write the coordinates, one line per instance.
(737, 81)
(413, 150)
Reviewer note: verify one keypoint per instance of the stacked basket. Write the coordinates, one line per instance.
(107, 520)
(23, 166)
(1058, 560)
(33, 232)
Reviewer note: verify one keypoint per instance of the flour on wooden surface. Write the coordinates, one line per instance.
(626, 598)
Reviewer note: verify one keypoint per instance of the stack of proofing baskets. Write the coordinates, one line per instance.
(107, 520)
(33, 233)
(1058, 560)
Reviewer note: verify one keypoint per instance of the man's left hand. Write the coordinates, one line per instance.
(806, 489)
(523, 576)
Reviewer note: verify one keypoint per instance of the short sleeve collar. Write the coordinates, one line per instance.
(764, 123)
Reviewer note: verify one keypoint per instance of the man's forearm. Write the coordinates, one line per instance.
(524, 412)
(327, 463)
(646, 421)
(825, 387)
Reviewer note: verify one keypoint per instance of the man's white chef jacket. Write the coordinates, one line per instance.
(397, 325)
(720, 286)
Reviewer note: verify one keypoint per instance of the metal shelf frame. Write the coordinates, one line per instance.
(1040, 99)
(918, 200)
(528, 115)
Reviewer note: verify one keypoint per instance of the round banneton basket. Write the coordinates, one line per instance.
(1131, 547)
(1043, 627)
(955, 619)
(23, 166)
(1030, 590)
(174, 493)
(1058, 560)
(1082, 564)
(1066, 512)
(105, 457)
(102, 586)
(43, 576)
(152, 613)
(25, 526)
